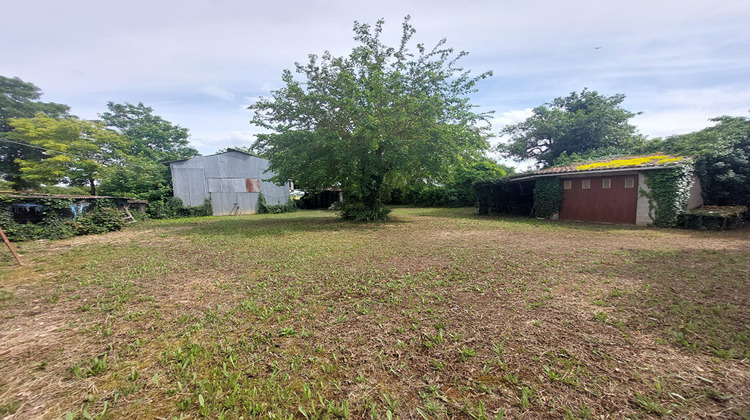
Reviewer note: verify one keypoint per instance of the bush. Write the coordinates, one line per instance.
(101, 220)
(57, 221)
(360, 212)
(172, 208)
(263, 208)
(712, 218)
(51, 228)
(440, 197)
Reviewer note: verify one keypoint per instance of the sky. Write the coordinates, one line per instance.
(200, 63)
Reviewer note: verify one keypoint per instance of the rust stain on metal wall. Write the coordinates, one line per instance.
(252, 185)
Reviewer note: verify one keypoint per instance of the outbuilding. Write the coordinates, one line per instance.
(609, 191)
(233, 180)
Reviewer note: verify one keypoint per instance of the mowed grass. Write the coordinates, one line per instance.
(437, 313)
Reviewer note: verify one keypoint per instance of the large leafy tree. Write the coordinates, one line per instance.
(151, 141)
(75, 152)
(575, 124)
(722, 159)
(150, 136)
(19, 99)
(379, 117)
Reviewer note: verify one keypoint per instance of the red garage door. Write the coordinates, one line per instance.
(610, 199)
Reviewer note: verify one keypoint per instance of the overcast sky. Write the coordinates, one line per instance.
(200, 63)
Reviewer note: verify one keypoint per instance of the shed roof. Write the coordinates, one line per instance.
(621, 164)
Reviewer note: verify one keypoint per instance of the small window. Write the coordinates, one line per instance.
(606, 183)
(586, 184)
(567, 185)
(629, 182)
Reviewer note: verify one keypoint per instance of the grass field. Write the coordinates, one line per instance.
(437, 313)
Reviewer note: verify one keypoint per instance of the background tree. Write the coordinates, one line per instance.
(149, 135)
(578, 123)
(379, 117)
(138, 178)
(458, 189)
(19, 99)
(151, 141)
(75, 152)
(722, 159)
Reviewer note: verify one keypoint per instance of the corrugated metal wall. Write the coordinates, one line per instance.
(230, 179)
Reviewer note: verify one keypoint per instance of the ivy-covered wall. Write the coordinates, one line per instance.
(56, 218)
(548, 196)
(669, 191)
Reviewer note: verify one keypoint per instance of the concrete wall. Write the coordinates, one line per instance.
(696, 194)
(232, 180)
(642, 213)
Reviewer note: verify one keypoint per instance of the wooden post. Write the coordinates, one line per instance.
(13, 251)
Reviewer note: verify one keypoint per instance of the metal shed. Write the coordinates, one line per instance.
(233, 180)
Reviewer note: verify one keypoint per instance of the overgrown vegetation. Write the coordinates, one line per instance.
(502, 197)
(56, 219)
(437, 313)
(458, 189)
(173, 208)
(669, 191)
(548, 196)
(712, 217)
(264, 208)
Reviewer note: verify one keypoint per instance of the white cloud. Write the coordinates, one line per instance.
(679, 62)
(218, 92)
(210, 142)
(682, 111)
(510, 117)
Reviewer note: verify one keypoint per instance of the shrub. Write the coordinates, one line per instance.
(173, 208)
(263, 208)
(712, 218)
(100, 220)
(360, 212)
(442, 196)
(57, 220)
(501, 196)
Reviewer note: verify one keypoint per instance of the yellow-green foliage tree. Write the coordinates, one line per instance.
(76, 152)
(20, 99)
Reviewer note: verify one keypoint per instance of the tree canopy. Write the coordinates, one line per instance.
(19, 99)
(380, 117)
(76, 152)
(151, 141)
(722, 159)
(150, 136)
(575, 124)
